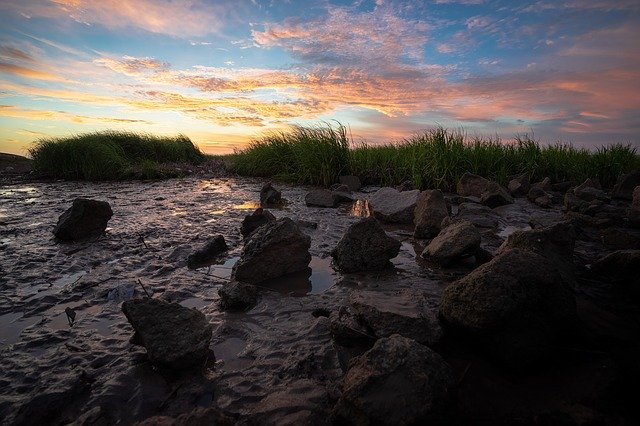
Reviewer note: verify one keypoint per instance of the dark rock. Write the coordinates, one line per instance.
(495, 196)
(479, 215)
(535, 192)
(353, 182)
(390, 205)
(399, 382)
(634, 211)
(482, 256)
(273, 250)
(269, 195)
(625, 185)
(407, 185)
(326, 198)
(430, 210)
(459, 199)
(255, 220)
(572, 203)
(515, 306)
(544, 201)
(472, 185)
(563, 187)
(175, 337)
(84, 219)
(209, 252)
(519, 186)
(621, 269)
(458, 240)
(338, 187)
(589, 193)
(307, 224)
(544, 184)
(200, 416)
(238, 296)
(621, 238)
(365, 246)
(589, 221)
(348, 329)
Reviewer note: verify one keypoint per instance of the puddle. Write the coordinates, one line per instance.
(247, 205)
(60, 321)
(227, 352)
(360, 208)
(317, 278)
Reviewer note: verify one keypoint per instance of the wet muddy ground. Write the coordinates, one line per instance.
(274, 364)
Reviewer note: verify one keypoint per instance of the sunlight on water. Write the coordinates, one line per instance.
(360, 208)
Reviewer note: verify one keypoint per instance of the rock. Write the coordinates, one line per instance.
(269, 195)
(200, 416)
(390, 205)
(472, 185)
(273, 250)
(238, 296)
(348, 330)
(535, 192)
(572, 203)
(255, 220)
(479, 215)
(544, 201)
(407, 314)
(365, 246)
(353, 182)
(519, 186)
(621, 269)
(209, 252)
(325, 198)
(307, 224)
(589, 221)
(407, 185)
(545, 184)
(495, 196)
(431, 208)
(454, 242)
(621, 238)
(515, 306)
(563, 187)
(84, 219)
(399, 382)
(589, 193)
(338, 187)
(634, 211)
(458, 199)
(626, 184)
(175, 337)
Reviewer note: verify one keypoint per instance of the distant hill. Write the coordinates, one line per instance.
(11, 164)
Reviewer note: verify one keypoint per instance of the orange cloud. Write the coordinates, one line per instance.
(28, 72)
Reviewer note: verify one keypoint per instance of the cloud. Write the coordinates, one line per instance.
(28, 72)
(132, 66)
(38, 114)
(15, 53)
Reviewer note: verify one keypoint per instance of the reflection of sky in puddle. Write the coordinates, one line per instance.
(247, 205)
(315, 279)
(360, 208)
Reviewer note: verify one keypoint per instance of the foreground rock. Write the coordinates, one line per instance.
(515, 306)
(430, 210)
(365, 246)
(495, 196)
(472, 185)
(625, 185)
(237, 296)
(325, 198)
(175, 337)
(214, 247)
(276, 249)
(84, 219)
(269, 195)
(392, 206)
(456, 241)
(255, 220)
(399, 382)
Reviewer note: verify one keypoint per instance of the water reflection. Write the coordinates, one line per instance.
(360, 208)
(317, 278)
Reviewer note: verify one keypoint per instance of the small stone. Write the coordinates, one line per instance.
(269, 195)
(214, 247)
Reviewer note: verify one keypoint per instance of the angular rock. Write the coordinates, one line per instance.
(544, 201)
(544, 184)
(326, 198)
(471, 185)
(353, 182)
(365, 246)
(479, 215)
(84, 219)
(238, 296)
(588, 193)
(454, 242)
(399, 382)
(563, 187)
(515, 306)
(535, 192)
(255, 220)
(495, 196)
(430, 210)
(209, 252)
(393, 206)
(519, 186)
(349, 330)
(273, 250)
(626, 184)
(621, 238)
(175, 337)
(269, 195)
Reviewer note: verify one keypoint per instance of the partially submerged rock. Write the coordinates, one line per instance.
(398, 381)
(495, 196)
(275, 249)
(365, 246)
(515, 306)
(625, 185)
(84, 219)
(175, 337)
(393, 206)
(214, 247)
(238, 296)
(326, 198)
(456, 241)
(255, 220)
(471, 185)
(349, 330)
(431, 208)
(269, 195)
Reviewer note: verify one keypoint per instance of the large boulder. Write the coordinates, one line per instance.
(393, 206)
(519, 186)
(626, 184)
(495, 196)
(214, 247)
(430, 210)
(325, 198)
(269, 195)
(352, 182)
(175, 337)
(365, 246)
(273, 250)
(458, 240)
(84, 219)
(397, 382)
(481, 216)
(472, 185)
(238, 296)
(515, 306)
(255, 220)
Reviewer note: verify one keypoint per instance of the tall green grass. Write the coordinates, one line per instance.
(434, 159)
(111, 155)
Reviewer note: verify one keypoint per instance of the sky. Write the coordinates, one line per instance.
(225, 72)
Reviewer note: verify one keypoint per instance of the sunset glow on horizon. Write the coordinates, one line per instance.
(223, 72)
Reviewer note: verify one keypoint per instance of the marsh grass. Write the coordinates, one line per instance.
(434, 159)
(112, 155)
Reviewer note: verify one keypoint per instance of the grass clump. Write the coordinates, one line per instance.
(112, 155)
(433, 159)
